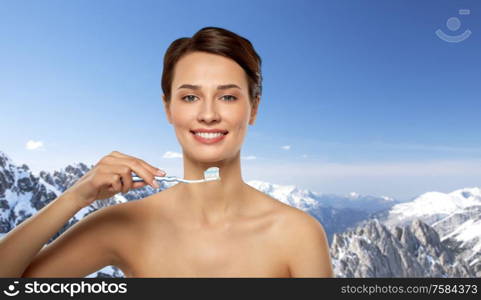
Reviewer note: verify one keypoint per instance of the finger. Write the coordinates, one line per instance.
(125, 175)
(111, 154)
(117, 154)
(152, 169)
(136, 166)
(120, 155)
(139, 184)
(115, 182)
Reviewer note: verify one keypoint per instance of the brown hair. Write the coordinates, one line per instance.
(218, 41)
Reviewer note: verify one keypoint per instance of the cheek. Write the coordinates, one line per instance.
(239, 114)
(182, 117)
(240, 126)
(238, 120)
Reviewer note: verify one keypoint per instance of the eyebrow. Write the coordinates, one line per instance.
(219, 87)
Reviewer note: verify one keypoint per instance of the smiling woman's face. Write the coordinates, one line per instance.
(209, 107)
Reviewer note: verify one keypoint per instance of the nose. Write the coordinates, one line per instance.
(208, 112)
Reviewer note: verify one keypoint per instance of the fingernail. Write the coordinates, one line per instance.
(160, 172)
(155, 184)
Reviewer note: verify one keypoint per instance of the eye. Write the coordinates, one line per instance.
(233, 98)
(183, 98)
(229, 98)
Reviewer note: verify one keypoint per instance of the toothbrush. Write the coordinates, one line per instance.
(210, 174)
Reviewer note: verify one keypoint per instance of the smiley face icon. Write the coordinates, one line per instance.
(453, 24)
(11, 290)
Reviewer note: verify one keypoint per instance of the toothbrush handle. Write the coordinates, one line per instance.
(166, 178)
(172, 178)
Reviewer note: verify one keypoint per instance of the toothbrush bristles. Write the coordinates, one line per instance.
(212, 173)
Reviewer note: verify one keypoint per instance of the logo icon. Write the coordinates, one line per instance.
(454, 24)
(11, 290)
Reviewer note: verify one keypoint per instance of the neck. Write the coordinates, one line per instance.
(212, 202)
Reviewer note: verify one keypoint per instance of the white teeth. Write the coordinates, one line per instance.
(209, 135)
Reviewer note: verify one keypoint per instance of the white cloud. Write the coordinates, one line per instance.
(170, 154)
(286, 147)
(250, 157)
(34, 145)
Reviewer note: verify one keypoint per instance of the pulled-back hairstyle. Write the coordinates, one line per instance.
(218, 41)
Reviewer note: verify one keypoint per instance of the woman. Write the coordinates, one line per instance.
(224, 228)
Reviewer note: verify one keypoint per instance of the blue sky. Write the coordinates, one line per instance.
(357, 95)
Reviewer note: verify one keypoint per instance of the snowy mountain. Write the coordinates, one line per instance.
(454, 216)
(434, 206)
(413, 250)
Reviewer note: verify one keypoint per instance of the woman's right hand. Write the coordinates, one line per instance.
(112, 175)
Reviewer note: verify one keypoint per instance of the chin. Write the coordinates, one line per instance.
(209, 158)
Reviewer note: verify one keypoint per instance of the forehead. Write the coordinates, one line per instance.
(204, 69)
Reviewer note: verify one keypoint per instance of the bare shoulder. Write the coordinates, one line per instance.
(131, 214)
(291, 218)
(130, 221)
(294, 221)
(302, 241)
(121, 215)
(299, 221)
(121, 218)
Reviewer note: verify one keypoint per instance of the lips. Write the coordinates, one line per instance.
(209, 141)
(210, 130)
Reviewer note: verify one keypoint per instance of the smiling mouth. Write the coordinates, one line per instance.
(209, 135)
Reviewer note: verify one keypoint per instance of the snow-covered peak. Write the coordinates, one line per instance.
(472, 195)
(431, 203)
(288, 194)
